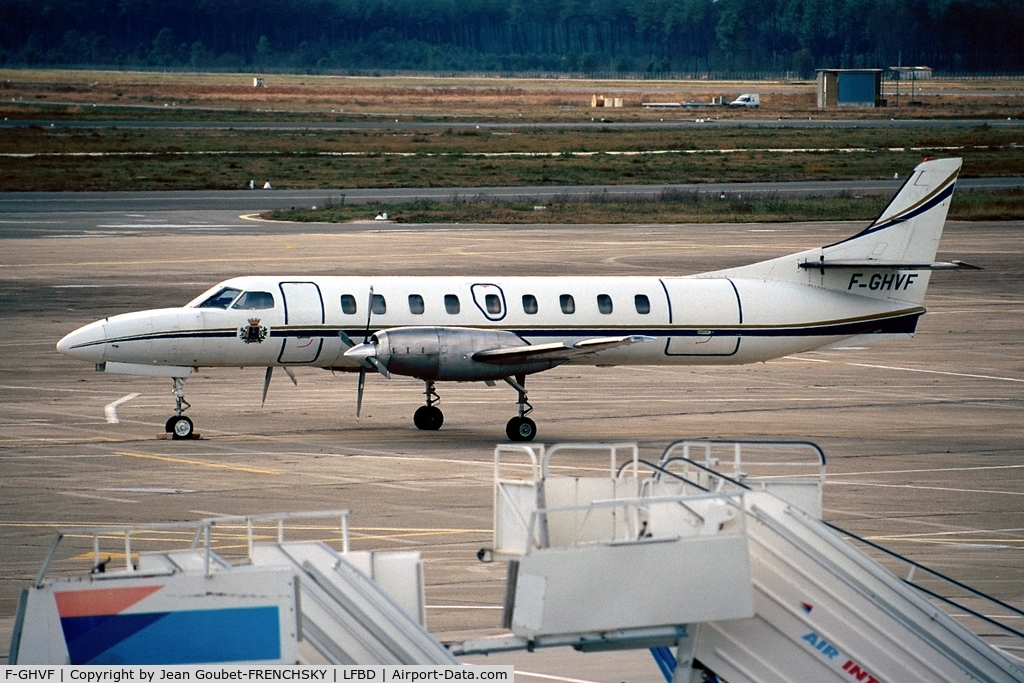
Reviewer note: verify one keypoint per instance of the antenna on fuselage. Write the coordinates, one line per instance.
(266, 381)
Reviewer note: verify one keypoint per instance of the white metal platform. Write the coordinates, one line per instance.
(190, 605)
(723, 557)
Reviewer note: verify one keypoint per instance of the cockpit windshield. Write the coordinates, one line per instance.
(221, 299)
(252, 301)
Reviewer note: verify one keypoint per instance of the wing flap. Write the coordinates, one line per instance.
(557, 350)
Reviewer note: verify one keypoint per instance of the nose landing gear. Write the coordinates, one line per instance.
(521, 428)
(179, 426)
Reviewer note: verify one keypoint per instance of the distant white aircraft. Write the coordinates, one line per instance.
(505, 328)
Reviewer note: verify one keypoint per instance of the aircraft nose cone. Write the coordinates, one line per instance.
(86, 343)
(362, 352)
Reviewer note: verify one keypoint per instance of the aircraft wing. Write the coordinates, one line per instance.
(557, 350)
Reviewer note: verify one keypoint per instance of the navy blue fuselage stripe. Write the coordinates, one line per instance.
(157, 336)
(896, 220)
(739, 301)
(667, 298)
(902, 323)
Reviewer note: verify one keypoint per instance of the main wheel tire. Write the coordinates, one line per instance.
(521, 429)
(169, 425)
(181, 427)
(429, 418)
(436, 418)
(419, 418)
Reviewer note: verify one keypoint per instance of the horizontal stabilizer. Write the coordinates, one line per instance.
(557, 350)
(888, 265)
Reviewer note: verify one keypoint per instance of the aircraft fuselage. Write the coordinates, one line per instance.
(294, 321)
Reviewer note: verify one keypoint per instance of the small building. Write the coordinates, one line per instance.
(912, 74)
(850, 88)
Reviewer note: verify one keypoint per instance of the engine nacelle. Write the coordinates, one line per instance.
(446, 353)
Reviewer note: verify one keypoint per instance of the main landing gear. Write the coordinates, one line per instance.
(429, 417)
(179, 426)
(519, 428)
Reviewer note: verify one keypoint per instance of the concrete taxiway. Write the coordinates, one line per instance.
(40, 214)
(924, 437)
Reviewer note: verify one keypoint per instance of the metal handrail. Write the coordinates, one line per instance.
(746, 442)
(942, 577)
(612, 448)
(518, 448)
(660, 469)
(737, 459)
(203, 529)
(639, 503)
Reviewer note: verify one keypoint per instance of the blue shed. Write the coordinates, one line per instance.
(850, 88)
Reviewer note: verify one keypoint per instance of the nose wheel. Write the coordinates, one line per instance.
(177, 425)
(429, 417)
(521, 428)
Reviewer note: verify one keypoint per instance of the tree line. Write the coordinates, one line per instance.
(578, 36)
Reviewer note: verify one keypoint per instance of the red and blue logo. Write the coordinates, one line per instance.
(102, 626)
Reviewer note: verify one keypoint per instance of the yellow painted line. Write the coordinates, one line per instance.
(413, 529)
(201, 463)
(109, 556)
(384, 537)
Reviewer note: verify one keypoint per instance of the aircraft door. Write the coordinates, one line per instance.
(704, 313)
(490, 300)
(303, 318)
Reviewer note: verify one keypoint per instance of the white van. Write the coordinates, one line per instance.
(748, 100)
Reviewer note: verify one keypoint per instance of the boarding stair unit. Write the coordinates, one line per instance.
(284, 601)
(718, 550)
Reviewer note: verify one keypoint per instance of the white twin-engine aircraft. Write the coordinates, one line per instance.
(504, 328)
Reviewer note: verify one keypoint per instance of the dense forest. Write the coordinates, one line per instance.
(578, 36)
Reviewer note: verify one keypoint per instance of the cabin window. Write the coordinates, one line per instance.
(416, 304)
(379, 305)
(529, 304)
(221, 299)
(451, 304)
(643, 304)
(493, 303)
(348, 304)
(567, 303)
(604, 303)
(255, 301)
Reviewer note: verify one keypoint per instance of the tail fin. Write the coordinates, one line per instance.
(908, 229)
(890, 259)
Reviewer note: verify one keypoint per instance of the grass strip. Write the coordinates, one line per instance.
(104, 159)
(670, 207)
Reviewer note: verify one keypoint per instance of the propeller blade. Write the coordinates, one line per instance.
(369, 312)
(345, 339)
(372, 360)
(291, 376)
(266, 384)
(359, 392)
(361, 353)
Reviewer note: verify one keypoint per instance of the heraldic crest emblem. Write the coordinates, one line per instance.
(254, 333)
